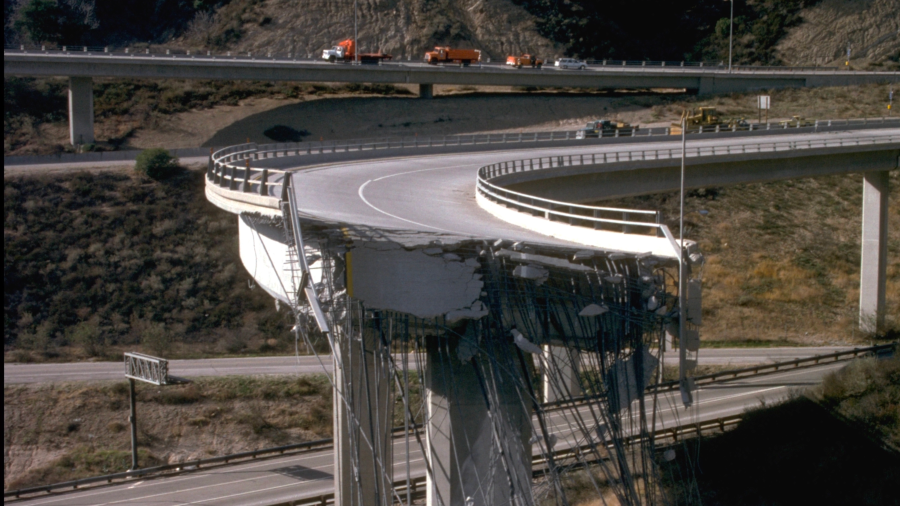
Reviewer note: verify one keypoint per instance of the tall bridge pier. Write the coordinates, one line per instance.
(81, 110)
(873, 270)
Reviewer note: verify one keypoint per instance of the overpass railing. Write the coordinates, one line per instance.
(608, 64)
(626, 220)
(234, 169)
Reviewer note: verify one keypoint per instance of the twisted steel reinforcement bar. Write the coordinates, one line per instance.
(323, 444)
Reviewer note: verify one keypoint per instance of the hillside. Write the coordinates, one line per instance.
(871, 27)
(765, 31)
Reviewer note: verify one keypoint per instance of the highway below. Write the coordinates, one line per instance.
(277, 480)
(290, 365)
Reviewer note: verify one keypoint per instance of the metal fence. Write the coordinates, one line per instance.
(627, 220)
(232, 167)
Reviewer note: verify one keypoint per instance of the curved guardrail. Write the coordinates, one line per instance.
(626, 220)
(231, 172)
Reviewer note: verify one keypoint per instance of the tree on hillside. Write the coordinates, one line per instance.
(56, 22)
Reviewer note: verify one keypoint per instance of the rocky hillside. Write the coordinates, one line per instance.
(399, 27)
(871, 27)
(765, 31)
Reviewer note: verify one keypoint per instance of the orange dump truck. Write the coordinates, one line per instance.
(527, 60)
(448, 55)
(346, 51)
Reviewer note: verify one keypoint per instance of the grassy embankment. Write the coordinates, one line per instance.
(97, 263)
(783, 259)
(65, 431)
(59, 432)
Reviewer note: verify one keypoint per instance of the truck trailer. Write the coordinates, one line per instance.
(345, 51)
(448, 55)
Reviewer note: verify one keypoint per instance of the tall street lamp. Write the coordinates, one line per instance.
(730, 36)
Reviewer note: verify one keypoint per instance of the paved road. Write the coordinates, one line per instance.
(288, 365)
(282, 479)
(436, 195)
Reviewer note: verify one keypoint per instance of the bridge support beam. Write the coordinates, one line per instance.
(560, 375)
(81, 110)
(466, 435)
(426, 91)
(874, 251)
(362, 431)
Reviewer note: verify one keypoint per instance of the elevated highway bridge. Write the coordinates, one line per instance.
(405, 219)
(81, 65)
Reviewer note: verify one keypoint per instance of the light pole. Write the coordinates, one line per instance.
(730, 36)
(356, 32)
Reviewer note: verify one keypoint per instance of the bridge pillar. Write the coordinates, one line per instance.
(426, 91)
(479, 454)
(362, 431)
(81, 110)
(874, 251)
(560, 378)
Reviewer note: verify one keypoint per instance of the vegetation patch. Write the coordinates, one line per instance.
(782, 259)
(94, 263)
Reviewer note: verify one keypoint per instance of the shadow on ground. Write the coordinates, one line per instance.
(793, 453)
(366, 117)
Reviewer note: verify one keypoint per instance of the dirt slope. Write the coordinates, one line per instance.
(399, 27)
(872, 27)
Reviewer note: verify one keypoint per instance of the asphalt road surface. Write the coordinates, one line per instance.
(289, 365)
(436, 194)
(281, 479)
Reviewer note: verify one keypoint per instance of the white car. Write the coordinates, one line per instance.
(570, 63)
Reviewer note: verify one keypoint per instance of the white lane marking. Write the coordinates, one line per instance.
(363, 197)
(306, 457)
(136, 484)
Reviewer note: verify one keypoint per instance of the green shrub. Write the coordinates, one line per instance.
(157, 163)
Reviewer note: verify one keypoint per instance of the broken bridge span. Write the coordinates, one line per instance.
(481, 262)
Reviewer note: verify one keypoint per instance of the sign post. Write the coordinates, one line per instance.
(153, 370)
(763, 102)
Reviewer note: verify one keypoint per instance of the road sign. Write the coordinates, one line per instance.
(763, 102)
(145, 368)
(148, 369)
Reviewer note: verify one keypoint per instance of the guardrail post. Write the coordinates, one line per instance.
(263, 190)
(246, 186)
(231, 183)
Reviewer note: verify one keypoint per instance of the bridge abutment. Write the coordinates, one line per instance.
(81, 110)
(426, 91)
(873, 270)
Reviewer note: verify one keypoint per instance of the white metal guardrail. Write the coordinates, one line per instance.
(606, 65)
(628, 220)
(232, 167)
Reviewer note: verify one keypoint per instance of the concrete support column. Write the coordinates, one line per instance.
(560, 375)
(426, 91)
(874, 251)
(480, 453)
(362, 431)
(81, 110)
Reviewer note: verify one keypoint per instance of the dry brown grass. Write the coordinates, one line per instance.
(55, 432)
(783, 258)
